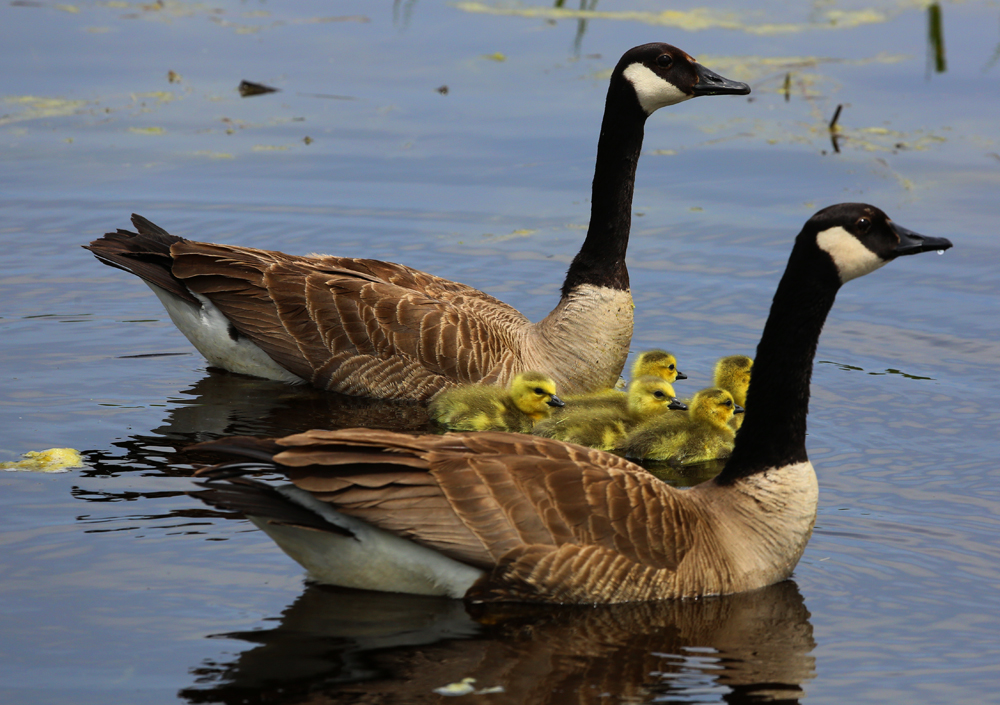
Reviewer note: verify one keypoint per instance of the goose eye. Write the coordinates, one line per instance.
(539, 390)
(863, 225)
(672, 367)
(664, 61)
(659, 395)
(728, 403)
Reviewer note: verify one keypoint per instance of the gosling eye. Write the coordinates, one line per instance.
(539, 391)
(659, 395)
(672, 367)
(664, 61)
(727, 403)
(863, 225)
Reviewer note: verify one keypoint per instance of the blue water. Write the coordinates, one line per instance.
(115, 586)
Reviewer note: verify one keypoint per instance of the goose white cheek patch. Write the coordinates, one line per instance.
(653, 92)
(852, 259)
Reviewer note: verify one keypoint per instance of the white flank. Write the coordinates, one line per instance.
(373, 559)
(208, 330)
(653, 91)
(852, 258)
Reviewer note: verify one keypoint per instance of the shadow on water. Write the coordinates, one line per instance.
(335, 645)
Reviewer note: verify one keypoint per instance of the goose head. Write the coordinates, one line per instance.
(859, 238)
(649, 395)
(732, 373)
(658, 363)
(534, 393)
(662, 75)
(714, 406)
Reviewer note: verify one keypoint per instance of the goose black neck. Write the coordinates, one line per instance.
(773, 433)
(601, 260)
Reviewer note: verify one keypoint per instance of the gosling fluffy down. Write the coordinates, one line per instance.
(704, 435)
(605, 426)
(477, 407)
(654, 363)
(732, 373)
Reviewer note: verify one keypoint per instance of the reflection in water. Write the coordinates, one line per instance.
(993, 59)
(222, 404)
(402, 12)
(336, 645)
(581, 22)
(888, 371)
(935, 38)
(684, 475)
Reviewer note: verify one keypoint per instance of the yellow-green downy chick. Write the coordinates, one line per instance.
(605, 426)
(732, 373)
(704, 435)
(653, 363)
(478, 407)
(658, 363)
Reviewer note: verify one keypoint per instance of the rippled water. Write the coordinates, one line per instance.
(116, 586)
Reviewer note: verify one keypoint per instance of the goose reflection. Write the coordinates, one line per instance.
(335, 645)
(225, 404)
(219, 404)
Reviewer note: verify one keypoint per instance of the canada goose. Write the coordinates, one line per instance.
(606, 426)
(704, 434)
(732, 373)
(377, 329)
(501, 517)
(481, 407)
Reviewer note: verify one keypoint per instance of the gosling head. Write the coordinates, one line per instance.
(658, 363)
(661, 75)
(534, 393)
(859, 238)
(732, 373)
(649, 395)
(714, 406)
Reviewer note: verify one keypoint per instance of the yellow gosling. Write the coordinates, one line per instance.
(732, 373)
(653, 363)
(658, 363)
(704, 435)
(606, 426)
(476, 407)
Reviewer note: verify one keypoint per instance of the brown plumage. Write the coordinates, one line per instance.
(378, 329)
(543, 520)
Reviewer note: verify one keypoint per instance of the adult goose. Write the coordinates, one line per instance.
(494, 517)
(377, 329)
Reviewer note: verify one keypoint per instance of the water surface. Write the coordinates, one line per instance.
(116, 586)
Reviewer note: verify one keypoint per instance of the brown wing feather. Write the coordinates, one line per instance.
(548, 521)
(356, 326)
